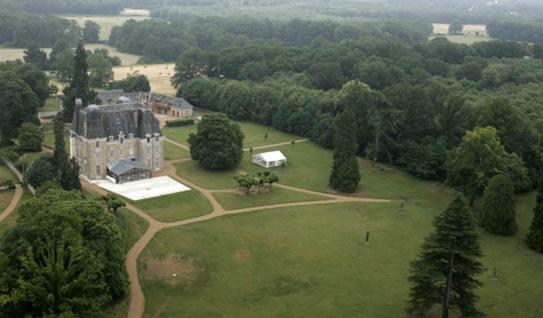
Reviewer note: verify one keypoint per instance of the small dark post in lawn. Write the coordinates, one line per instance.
(266, 136)
(251, 150)
(368, 237)
(292, 142)
(494, 274)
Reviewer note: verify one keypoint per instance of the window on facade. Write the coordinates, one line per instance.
(131, 152)
(98, 157)
(156, 137)
(111, 138)
(98, 144)
(98, 172)
(121, 152)
(148, 139)
(111, 153)
(121, 139)
(131, 136)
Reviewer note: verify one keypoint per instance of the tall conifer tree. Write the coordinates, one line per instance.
(446, 269)
(79, 85)
(498, 207)
(535, 237)
(345, 175)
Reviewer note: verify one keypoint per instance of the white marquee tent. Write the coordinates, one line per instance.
(270, 159)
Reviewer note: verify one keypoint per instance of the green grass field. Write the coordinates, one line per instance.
(254, 134)
(215, 180)
(6, 174)
(233, 201)
(313, 262)
(49, 136)
(175, 207)
(172, 152)
(51, 105)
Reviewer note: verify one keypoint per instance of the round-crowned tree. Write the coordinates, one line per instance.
(217, 144)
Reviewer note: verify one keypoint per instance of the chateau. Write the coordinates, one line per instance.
(120, 141)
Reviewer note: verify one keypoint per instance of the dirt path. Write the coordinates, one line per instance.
(177, 144)
(13, 204)
(286, 143)
(137, 298)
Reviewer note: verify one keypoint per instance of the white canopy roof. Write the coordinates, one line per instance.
(272, 156)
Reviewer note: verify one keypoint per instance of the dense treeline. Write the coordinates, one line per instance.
(21, 29)
(65, 6)
(160, 41)
(414, 103)
(516, 31)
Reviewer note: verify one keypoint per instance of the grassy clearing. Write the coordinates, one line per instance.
(51, 105)
(106, 22)
(172, 152)
(472, 33)
(49, 136)
(208, 179)
(464, 39)
(5, 199)
(175, 207)
(313, 262)
(11, 220)
(6, 174)
(11, 54)
(159, 76)
(254, 134)
(233, 201)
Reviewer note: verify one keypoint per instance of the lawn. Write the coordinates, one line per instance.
(49, 136)
(10, 221)
(134, 225)
(233, 201)
(5, 199)
(173, 152)
(255, 134)
(208, 179)
(175, 207)
(312, 262)
(6, 174)
(51, 105)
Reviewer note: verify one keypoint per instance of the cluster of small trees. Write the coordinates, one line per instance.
(257, 182)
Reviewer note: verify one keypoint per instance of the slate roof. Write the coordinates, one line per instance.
(120, 167)
(110, 120)
(170, 101)
(118, 96)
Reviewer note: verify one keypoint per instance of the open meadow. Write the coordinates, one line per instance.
(11, 54)
(281, 262)
(159, 75)
(106, 22)
(472, 33)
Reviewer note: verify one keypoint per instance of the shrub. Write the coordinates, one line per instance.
(180, 122)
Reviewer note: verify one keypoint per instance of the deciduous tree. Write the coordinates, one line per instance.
(218, 143)
(30, 138)
(535, 236)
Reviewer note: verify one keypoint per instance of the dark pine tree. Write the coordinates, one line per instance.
(69, 177)
(498, 207)
(60, 156)
(535, 237)
(446, 269)
(79, 85)
(345, 175)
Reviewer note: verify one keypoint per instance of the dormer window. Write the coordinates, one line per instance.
(111, 138)
(98, 144)
(131, 136)
(148, 137)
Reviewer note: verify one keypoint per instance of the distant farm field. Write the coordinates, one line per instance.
(106, 22)
(472, 33)
(159, 75)
(10, 54)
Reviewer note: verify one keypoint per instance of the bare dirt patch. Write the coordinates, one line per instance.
(242, 256)
(173, 269)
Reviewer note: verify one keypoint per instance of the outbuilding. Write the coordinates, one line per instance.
(270, 159)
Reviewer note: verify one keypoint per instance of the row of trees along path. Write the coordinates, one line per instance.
(137, 298)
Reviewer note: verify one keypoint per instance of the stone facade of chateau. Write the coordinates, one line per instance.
(120, 135)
